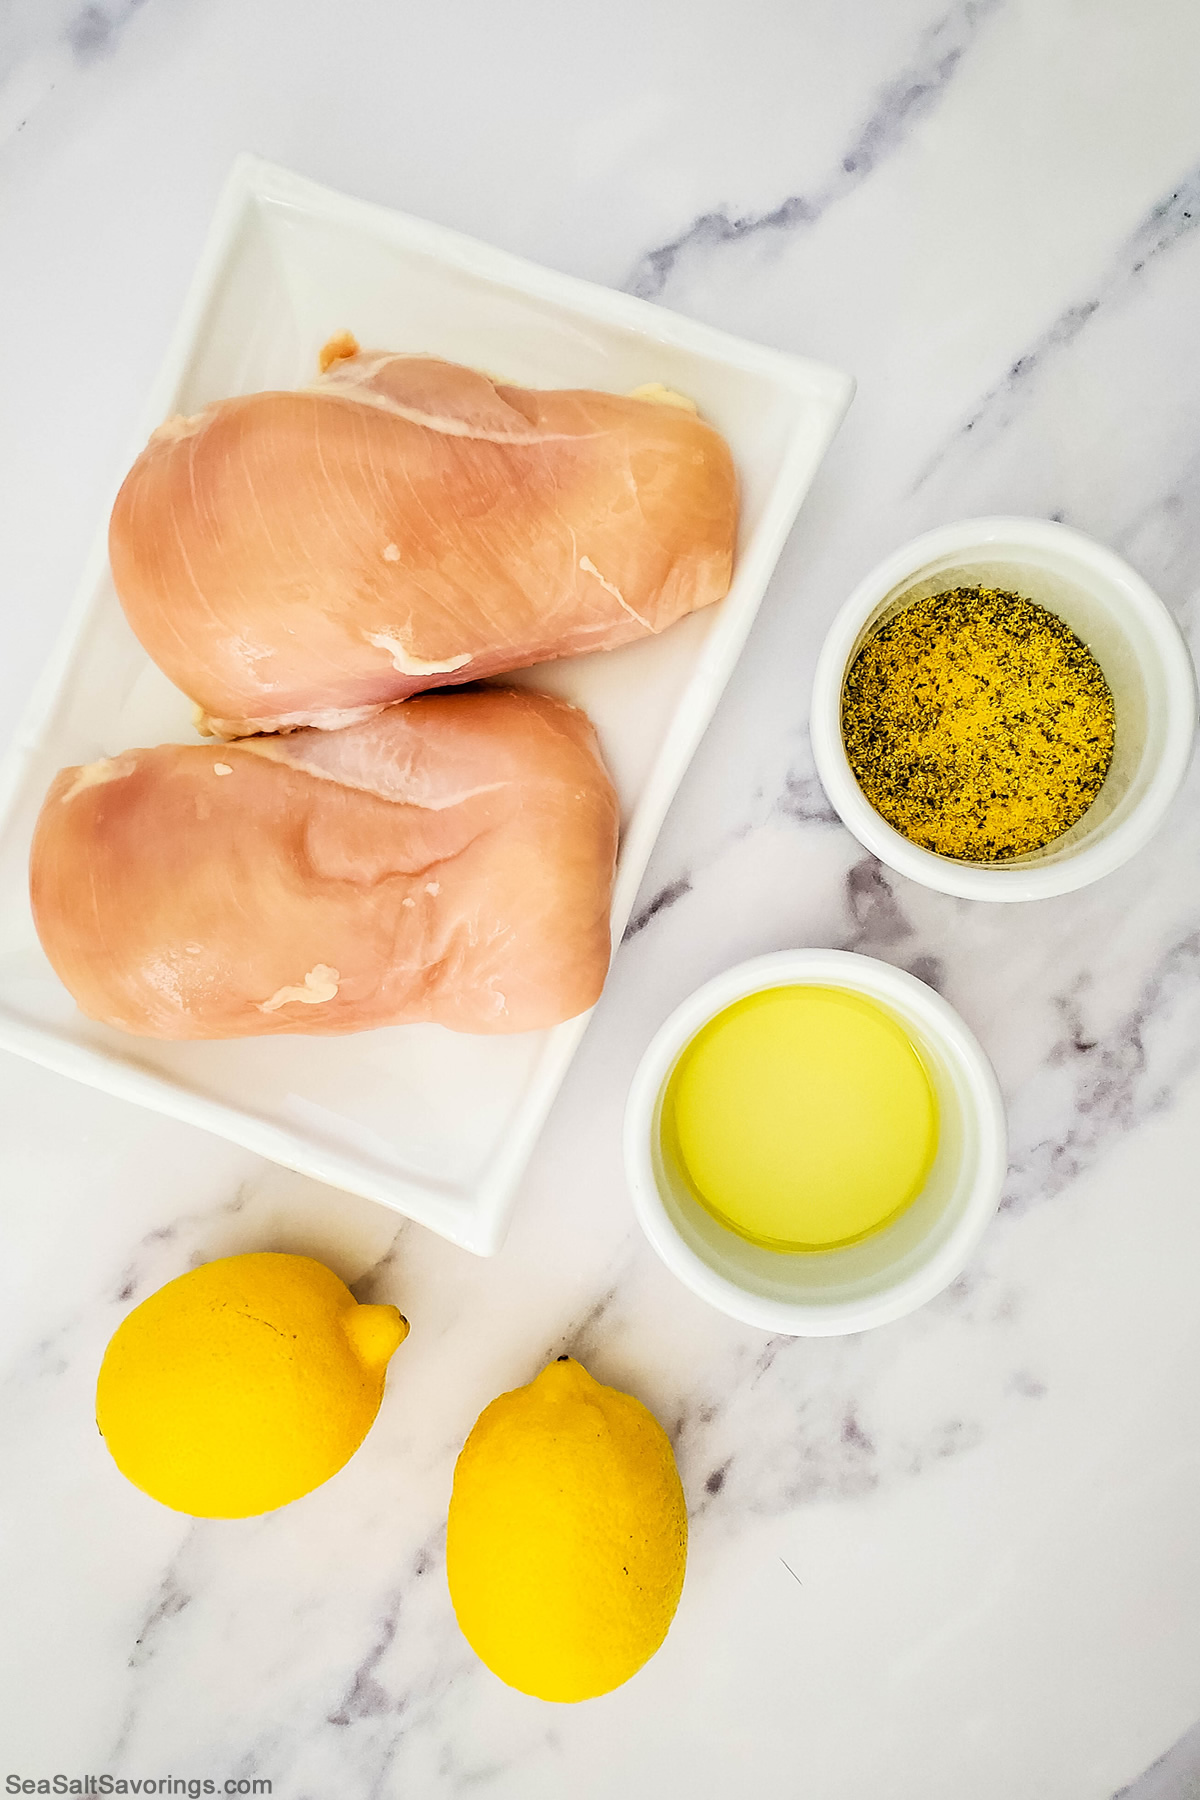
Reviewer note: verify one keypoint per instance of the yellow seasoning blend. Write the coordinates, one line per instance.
(977, 724)
(803, 1118)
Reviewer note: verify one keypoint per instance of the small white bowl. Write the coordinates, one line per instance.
(1128, 630)
(827, 1292)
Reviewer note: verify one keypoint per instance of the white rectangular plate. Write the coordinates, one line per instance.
(433, 1123)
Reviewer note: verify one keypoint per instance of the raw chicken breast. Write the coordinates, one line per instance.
(295, 559)
(447, 860)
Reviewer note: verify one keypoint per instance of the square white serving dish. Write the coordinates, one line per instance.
(433, 1123)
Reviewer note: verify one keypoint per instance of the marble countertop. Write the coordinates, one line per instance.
(958, 1556)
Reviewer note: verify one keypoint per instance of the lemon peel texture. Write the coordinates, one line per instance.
(243, 1384)
(567, 1536)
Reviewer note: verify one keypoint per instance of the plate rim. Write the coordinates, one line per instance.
(477, 1219)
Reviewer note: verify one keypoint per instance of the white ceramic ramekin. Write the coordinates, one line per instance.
(882, 1277)
(1129, 631)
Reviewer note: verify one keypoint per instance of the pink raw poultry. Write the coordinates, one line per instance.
(449, 860)
(294, 559)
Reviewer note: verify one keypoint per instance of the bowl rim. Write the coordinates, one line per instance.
(879, 981)
(975, 881)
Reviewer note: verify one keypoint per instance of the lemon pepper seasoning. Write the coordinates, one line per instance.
(978, 724)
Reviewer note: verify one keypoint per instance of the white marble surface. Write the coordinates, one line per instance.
(990, 1512)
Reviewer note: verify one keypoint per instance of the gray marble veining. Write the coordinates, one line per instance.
(953, 1556)
(903, 101)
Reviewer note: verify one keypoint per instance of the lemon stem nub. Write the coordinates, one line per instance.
(376, 1333)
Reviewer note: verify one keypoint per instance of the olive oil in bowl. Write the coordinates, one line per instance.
(803, 1118)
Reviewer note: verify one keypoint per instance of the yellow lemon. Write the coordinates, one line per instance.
(243, 1384)
(567, 1536)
